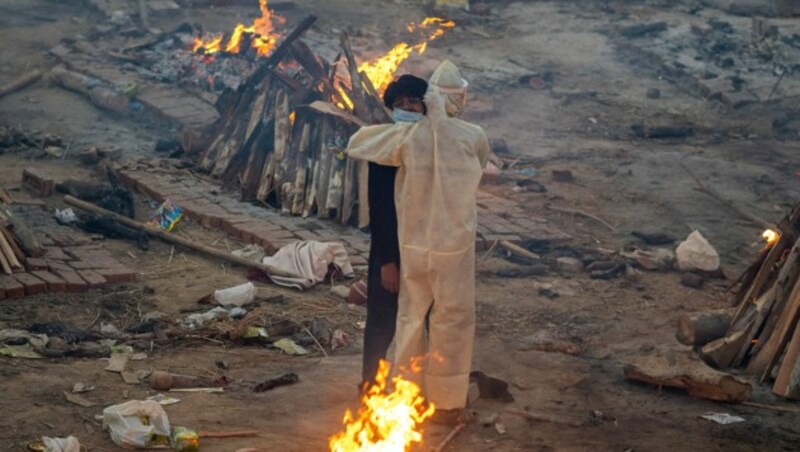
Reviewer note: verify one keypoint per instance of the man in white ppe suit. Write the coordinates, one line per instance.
(440, 160)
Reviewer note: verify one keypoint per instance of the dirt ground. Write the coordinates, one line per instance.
(581, 124)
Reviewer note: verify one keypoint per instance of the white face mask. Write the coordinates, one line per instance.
(400, 115)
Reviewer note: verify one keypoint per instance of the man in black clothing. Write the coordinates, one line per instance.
(404, 97)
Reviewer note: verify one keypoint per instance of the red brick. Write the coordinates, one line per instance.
(55, 253)
(127, 179)
(117, 275)
(75, 284)
(80, 265)
(58, 266)
(92, 278)
(35, 263)
(38, 182)
(229, 224)
(62, 239)
(54, 283)
(33, 285)
(11, 287)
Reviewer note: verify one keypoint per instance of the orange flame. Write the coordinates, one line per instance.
(770, 236)
(381, 71)
(384, 422)
(263, 31)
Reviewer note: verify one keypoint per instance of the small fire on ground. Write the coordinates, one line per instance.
(385, 422)
(770, 236)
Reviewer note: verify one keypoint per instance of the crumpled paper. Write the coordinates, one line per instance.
(722, 418)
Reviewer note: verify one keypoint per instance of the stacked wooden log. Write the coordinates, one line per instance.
(16, 239)
(761, 334)
(282, 134)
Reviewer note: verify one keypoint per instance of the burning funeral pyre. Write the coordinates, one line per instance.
(283, 129)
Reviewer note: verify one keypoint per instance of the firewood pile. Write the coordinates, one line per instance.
(761, 335)
(281, 135)
(17, 241)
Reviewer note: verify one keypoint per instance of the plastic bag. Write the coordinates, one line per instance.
(695, 253)
(136, 423)
(166, 216)
(236, 296)
(66, 216)
(68, 444)
(199, 320)
(290, 347)
(253, 253)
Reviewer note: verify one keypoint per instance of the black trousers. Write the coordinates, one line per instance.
(381, 319)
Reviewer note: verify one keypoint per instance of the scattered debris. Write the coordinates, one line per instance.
(569, 264)
(68, 444)
(491, 387)
(340, 292)
(700, 328)
(78, 400)
(658, 132)
(236, 296)
(289, 347)
(654, 238)
(693, 280)
(722, 418)
(358, 293)
(20, 351)
(679, 370)
(136, 423)
(255, 253)
(339, 339)
(80, 387)
(272, 383)
(659, 259)
(545, 341)
(542, 417)
(165, 381)
(695, 253)
(20, 83)
(639, 30)
(117, 362)
(163, 400)
(563, 176)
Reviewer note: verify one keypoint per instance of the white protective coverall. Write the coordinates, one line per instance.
(440, 160)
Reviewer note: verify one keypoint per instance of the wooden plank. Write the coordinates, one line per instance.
(300, 178)
(765, 346)
(13, 243)
(768, 356)
(283, 137)
(363, 194)
(787, 382)
(350, 191)
(9, 253)
(325, 157)
(261, 114)
(681, 371)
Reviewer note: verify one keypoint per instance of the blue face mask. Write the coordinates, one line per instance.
(400, 115)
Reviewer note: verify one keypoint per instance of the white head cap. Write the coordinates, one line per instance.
(448, 81)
